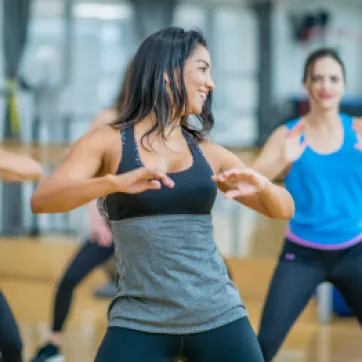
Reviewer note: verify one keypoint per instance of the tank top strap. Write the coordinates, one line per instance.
(350, 136)
(127, 142)
(128, 161)
(199, 157)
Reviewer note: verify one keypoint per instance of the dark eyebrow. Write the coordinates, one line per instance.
(328, 75)
(203, 61)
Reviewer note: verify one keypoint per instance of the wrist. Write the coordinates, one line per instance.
(110, 184)
(265, 186)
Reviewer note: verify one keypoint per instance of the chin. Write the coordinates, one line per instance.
(328, 106)
(195, 110)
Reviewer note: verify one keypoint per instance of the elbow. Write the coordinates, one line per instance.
(37, 204)
(289, 208)
(40, 201)
(286, 210)
(288, 213)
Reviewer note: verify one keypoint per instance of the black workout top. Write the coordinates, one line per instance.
(194, 191)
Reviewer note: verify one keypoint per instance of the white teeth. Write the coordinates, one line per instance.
(203, 96)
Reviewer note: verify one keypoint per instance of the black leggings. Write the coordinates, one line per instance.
(234, 342)
(10, 341)
(90, 256)
(299, 271)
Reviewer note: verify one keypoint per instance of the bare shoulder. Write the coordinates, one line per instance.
(105, 116)
(279, 133)
(94, 154)
(103, 136)
(211, 148)
(102, 140)
(356, 119)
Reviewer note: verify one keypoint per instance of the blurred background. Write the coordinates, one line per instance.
(62, 62)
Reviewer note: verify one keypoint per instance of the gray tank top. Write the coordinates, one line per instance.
(172, 278)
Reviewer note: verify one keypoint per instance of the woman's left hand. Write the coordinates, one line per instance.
(241, 182)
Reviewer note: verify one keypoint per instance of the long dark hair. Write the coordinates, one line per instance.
(144, 89)
(121, 98)
(319, 54)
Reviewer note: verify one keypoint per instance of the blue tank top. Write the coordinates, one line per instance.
(327, 191)
(172, 278)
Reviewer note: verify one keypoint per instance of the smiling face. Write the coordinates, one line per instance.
(325, 83)
(197, 78)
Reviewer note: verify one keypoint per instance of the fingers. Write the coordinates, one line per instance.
(155, 177)
(232, 194)
(153, 185)
(234, 173)
(105, 242)
(224, 176)
(241, 190)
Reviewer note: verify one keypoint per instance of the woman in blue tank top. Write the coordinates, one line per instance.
(318, 156)
(174, 294)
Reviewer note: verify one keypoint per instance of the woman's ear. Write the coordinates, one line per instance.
(166, 78)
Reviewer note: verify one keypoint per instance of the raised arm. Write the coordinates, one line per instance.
(84, 176)
(270, 161)
(281, 149)
(18, 167)
(249, 187)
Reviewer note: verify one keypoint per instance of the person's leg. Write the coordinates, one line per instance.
(88, 257)
(10, 340)
(233, 342)
(126, 345)
(295, 279)
(347, 277)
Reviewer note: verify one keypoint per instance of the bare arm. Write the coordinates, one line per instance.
(83, 177)
(74, 183)
(105, 116)
(18, 167)
(270, 162)
(271, 200)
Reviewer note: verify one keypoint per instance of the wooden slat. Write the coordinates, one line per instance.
(35, 259)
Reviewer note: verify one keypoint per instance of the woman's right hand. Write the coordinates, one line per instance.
(140, 180)
(293, 148)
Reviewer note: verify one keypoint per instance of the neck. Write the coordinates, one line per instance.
(172, 130)
(326, 119)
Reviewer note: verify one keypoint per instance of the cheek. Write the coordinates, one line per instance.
(189, 85)
(340, 89)
(312, 89)
(195, 80)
